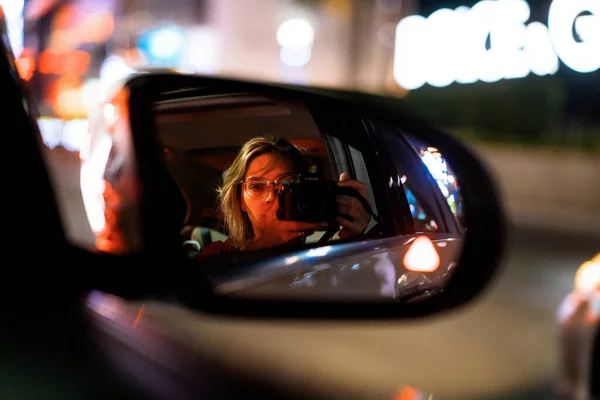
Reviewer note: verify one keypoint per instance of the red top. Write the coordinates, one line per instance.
(217, 248)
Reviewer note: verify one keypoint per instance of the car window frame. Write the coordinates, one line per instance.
(331, 121)
(448, 219)
(441, 200)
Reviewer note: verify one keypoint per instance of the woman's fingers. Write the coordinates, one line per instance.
(350, 228)
(343, 208)
(350, 206)
(346, 181)
(354, 210)
(358, 185)
(353, 217)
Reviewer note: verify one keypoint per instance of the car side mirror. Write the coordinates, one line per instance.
(289, 201)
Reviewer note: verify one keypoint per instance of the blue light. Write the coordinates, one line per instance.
(164, 46)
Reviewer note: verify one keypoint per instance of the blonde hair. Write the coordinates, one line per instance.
(237, 223)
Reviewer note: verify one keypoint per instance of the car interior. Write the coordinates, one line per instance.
(201, 135)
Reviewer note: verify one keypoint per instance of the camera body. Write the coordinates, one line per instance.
(312, 201)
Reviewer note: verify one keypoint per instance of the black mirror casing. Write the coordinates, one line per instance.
(175, 277)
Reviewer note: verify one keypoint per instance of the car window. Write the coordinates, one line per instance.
(443, 174)
(423, 219)
(362, 175)
(425, 180)
(349, 159)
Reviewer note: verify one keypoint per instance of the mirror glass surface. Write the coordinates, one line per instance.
(348, 213)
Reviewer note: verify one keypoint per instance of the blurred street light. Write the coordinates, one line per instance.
(13, 13)
(295, 36)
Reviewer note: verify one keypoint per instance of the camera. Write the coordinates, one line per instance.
(314, 200)
(311, 201)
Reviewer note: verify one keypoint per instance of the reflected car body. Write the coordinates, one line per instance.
(371, 270)
(579, 324)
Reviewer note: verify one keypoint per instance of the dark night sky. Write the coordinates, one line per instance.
(539, 8)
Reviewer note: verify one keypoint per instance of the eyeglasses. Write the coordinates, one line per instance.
(257, 188)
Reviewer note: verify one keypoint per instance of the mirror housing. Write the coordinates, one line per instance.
(142, 231)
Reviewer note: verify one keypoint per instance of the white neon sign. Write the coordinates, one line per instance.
(584, 55)
(491, 41)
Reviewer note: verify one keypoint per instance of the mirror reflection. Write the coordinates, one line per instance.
(349, 213)
(256, 174)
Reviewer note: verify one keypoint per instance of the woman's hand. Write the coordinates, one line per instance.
(277, 232)
(351, 207)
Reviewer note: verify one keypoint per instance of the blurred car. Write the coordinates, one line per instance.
(156, 154)
(46, 333)
(579, 321)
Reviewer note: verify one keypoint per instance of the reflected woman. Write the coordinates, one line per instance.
(249, 203)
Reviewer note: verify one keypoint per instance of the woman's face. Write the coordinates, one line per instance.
(269, 167)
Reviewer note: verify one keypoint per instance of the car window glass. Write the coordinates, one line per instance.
(423, 219)
(424, 178)
(442, 173)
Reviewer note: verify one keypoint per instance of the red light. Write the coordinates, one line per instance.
(422, 256)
